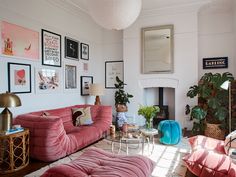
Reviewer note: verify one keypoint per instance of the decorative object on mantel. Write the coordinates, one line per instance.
(210, 113)
(113, 14)
(7, 100)
(121, 100)
(149, 113)
(215, 62)
(96, 90)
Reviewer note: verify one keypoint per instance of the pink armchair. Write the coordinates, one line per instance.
(54, 136)
(208, 158)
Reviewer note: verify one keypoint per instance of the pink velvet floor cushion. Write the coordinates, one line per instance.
(97, 162)
(208, 158)
(205, 163)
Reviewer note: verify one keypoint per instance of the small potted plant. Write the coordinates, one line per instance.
(121, 97)
(149, 113)
(212, 109)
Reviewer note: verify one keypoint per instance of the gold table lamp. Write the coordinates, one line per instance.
(96, 90)
(7, 100)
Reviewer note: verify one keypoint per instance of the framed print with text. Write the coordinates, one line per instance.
(113, 69)
(51, 48)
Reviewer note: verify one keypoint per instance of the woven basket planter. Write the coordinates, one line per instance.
(214, 131)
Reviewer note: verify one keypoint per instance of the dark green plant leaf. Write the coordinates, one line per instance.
(214, 103)
(198, 113)
(221, 113)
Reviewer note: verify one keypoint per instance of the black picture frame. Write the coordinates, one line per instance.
(85, 81)
(113, 69)
(51, 48)
(71, 48)
(215, 63)
(19, 77)
(84, 51)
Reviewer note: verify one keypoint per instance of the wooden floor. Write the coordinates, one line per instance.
(36, 165)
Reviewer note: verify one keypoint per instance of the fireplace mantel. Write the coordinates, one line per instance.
(159, 82)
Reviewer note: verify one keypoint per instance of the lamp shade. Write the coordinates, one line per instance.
(96, 89)
(9, 100)
(114, 14)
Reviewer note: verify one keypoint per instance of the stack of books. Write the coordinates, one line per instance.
(11, 131)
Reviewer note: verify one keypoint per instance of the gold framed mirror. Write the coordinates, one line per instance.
(157, 49)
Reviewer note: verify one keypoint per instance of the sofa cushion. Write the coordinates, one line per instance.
(97, 162)
(206, 163)
(81, 116)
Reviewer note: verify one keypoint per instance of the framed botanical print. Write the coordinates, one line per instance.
(51, 48)
(71, 48)
(84, 51)
(47, 80)
(19, 78)
(85, 83)
(113, 69)
(70, 77)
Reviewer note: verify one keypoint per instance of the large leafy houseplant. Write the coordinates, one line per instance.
(121, 97)
(212, 104)
(149, 113)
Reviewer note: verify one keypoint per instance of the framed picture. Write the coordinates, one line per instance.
(51, 48)
(47, 80)
(19, 78)
(113, 69)
(84, 51)
(85, 82)
(18, 41)
(70, 77)
(71, 48)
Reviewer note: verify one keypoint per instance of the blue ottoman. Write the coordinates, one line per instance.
(170, 132)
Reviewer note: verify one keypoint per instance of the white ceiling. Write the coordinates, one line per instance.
(157, 4)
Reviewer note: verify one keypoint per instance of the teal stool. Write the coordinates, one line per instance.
(170, 132)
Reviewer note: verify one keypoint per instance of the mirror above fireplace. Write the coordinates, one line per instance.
(157, 49)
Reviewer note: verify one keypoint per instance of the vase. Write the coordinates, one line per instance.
(149, 124)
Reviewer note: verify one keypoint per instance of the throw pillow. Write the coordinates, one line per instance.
(45, 114)
(230, 141)
(81, 116)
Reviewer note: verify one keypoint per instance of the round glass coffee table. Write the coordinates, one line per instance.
(128, 138)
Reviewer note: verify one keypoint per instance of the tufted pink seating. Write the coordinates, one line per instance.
(54, 136)
(208, 158)
(97, 163)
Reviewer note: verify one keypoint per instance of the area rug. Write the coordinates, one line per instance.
(168, 158)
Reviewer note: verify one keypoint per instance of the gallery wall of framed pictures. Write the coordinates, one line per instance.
(54, 73)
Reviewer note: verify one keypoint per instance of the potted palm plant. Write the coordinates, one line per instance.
(210, 113)
(149, 113)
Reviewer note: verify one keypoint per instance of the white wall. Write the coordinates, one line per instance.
(216, 35)
(185, 21)
(55, 17)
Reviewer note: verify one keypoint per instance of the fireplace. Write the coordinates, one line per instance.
(164, 110)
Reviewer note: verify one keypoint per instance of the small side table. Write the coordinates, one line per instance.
(148, 134)
(14, 151)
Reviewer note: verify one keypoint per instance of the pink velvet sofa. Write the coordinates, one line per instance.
(54, 136)
(96, 162)
(208, 158)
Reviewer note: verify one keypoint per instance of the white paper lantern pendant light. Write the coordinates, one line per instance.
(114, 14)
